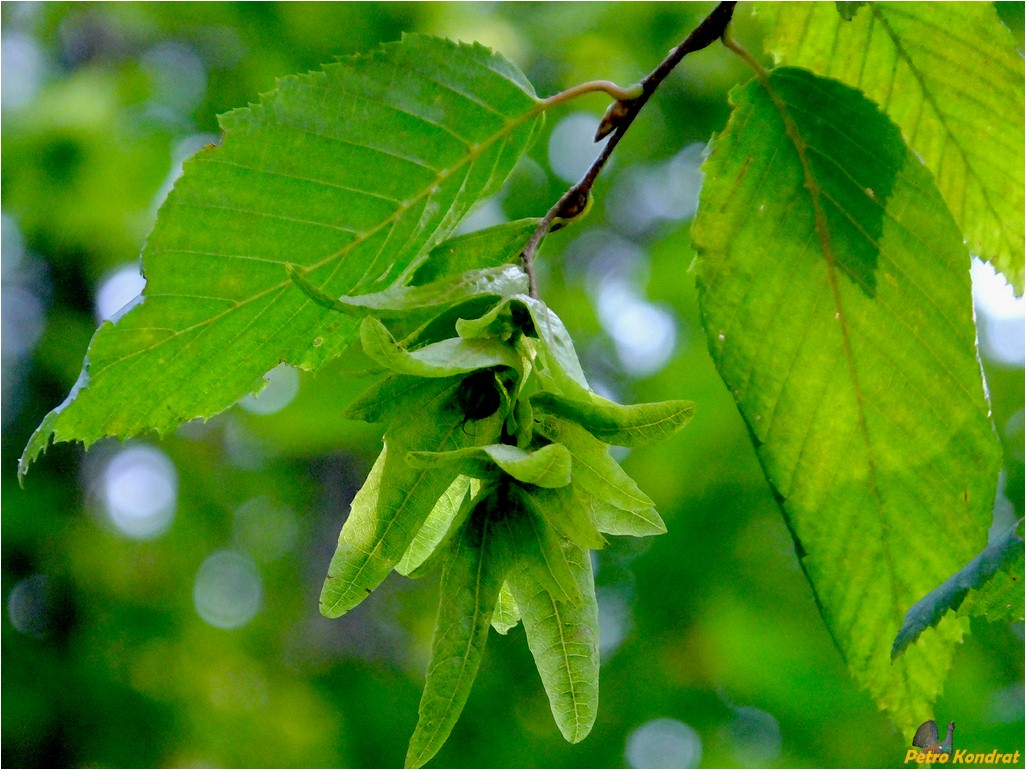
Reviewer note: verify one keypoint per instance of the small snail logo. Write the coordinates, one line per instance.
(931, 750)
(928, 738)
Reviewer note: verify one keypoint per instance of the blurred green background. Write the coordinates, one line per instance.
(160, 596)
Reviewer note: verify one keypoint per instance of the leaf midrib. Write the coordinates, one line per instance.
(475, 620)
(565, 654)
(822, 231)
(443, 441)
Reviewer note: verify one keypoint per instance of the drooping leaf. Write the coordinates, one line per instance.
(446, 517)
(564, 641)
(991, 585)
(631, 425)
(834, 288)
(567, 510)
(393, 503)
(353, 174)
(594, 470)
(507, 613)
(538, 547)
(950, 76)
(470, 585)
(547, 466)
(439, 359)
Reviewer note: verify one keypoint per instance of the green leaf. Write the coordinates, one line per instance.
(446, 517)
(497, 323)
(558, 347)
(633, 425)
(564, 641)
(548, 466)
(595, 471)
(567, 510)
(490, 247)
(393, 503)
(536, 319)
(1002, 597)
(991, 585)
(538, 547)
(420, 302)
(950, 76)
(834, 288)
(507, 613)
(385, 400)
(469, 589)
(439, 359)
(614, 520)
(848, 8)
(353, 173)
(604, 495)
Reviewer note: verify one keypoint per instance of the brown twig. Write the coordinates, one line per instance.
(618, 119)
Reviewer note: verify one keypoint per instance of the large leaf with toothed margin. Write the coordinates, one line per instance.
(950, 76)
(351, 174)
(834, 288)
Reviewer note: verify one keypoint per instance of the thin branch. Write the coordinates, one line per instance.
(617, 120)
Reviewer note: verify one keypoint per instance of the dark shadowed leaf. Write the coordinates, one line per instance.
(990, 586)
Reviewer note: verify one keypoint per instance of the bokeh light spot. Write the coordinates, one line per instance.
(664, 743)
(615, 620)
(140, 491)
(23, 68)
(28, 606)
(117, 290)
(22, 322)
(282, 386)
(178, 74)
(228, 590)
(1007, 704)
(571, 149)
(754, 736)
(1001, 316)
(644, 334)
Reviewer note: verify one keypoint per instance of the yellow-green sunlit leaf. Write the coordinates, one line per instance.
(834, 287)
